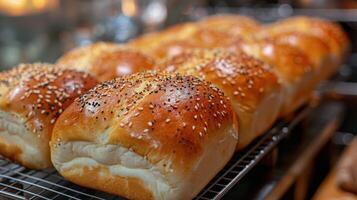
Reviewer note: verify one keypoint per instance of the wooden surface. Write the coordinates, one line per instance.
(299, 171)
(329, 189)
(288, 175)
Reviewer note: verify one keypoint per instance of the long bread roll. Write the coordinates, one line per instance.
(146, 136)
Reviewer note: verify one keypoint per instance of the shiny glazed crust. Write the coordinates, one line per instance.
(247, 81)
(32, 96)
(327, 31)
(168, 122)
(151, 41)
(293, 68)
(106, 61)
(236, 25)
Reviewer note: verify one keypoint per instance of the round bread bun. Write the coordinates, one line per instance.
(293, 68)
(315, 49)
(155, 40)
(202, 38)
(146, 136)
(327, 31)
(252, 87)
(237, 25)
(32, 97)
(106, 61)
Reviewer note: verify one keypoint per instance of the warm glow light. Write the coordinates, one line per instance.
(129, 7)
(40, 4)
(22, 7)
(13, 7)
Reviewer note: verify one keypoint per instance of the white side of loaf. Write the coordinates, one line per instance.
(253, 123)
(164, 184)
(119, 160)
(14, 134)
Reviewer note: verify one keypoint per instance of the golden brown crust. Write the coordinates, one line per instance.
(316, 49)
(219, 25)
(12, 152)
(244, 79)
(151, 41)
(156, 115)
(177, 39)
(327, 31)
(83, 55)
(39, 93)
(106, 60)
(236, 25)
(171, 48)
(201, 38)
(289, 62)
(292, 66)
(248, 82)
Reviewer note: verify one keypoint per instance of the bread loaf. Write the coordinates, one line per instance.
(32, 96)
(252, 87)
(106, 61)
(331, 33)
(146, 136)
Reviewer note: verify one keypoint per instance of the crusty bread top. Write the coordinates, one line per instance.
(288, 61)
(162, 117)
(82, 55)
(237, 25)
(149, 41)
(328, 31)
(243, 78)
(40, 92)
(106, 61)
(314, 47)
(200, 38)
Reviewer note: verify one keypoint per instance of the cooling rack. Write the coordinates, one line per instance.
(17, 182)
(245, 161)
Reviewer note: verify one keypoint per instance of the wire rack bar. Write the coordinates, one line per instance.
(245, 161)
(17, 182)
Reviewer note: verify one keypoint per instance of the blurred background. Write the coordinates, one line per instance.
(41, 30)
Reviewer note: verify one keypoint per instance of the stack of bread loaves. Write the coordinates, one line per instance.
(219, 83)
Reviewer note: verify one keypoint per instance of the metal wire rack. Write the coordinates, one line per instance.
(17, 182)
(245, 161)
